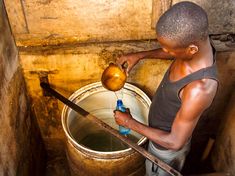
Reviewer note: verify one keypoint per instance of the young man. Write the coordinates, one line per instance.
(187, 89)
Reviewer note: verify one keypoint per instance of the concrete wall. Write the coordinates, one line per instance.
(20, 142)
(52, 22)
(47, 22)
(223, 154)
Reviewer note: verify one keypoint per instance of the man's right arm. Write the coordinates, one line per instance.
(154, 54)
(133, 58)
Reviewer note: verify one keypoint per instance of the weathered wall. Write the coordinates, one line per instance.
(45, 22)
(220, 14)
(20, 143)
(224, 153)
(48, 21)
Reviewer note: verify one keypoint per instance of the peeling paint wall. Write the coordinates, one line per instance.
(19, 134)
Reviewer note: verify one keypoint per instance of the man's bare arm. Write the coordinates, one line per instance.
(196, 97)
(154, 54)
(133, 58)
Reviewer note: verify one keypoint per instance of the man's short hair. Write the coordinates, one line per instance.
(185, 22)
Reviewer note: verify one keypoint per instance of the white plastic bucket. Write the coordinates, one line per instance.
(101, 103)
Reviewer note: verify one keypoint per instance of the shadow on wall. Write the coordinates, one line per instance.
(212, 121)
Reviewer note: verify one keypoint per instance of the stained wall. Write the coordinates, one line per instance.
(223, 153)
(21, 146)
(50, 22)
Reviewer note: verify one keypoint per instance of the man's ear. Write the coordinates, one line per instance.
(192, 49)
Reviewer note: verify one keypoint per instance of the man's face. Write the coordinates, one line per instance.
(173, 49)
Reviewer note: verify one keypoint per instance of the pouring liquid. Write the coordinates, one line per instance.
(119, 94)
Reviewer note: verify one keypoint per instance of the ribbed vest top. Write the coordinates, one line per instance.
(166, 102)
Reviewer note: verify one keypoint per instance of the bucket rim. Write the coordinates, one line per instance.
(66, 110)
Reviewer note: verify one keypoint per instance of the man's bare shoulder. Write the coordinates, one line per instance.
(200, 91)
(203, 86)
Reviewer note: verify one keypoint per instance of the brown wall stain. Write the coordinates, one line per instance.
(19, 134)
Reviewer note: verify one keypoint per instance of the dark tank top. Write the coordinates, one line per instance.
(166, 102)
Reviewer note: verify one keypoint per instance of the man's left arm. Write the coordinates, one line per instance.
(196, 98)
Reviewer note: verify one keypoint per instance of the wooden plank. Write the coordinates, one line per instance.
(16, 16)
(100, 21)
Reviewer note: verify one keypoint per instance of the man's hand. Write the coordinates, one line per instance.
(130, 59)
(123, 118)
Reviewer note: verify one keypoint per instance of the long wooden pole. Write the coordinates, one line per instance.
(111, 130)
